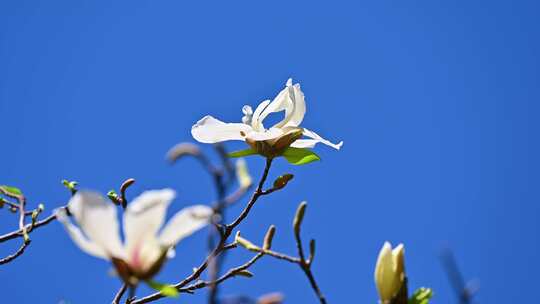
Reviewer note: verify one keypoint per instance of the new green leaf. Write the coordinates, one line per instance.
(300, 156)
(242, 153)
(421, 296)
(11, 191)
(165, 289)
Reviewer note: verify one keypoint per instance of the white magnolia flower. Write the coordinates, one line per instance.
(145, 244)
(251, 129)
(390, 271)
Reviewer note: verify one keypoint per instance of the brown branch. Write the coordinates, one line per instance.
(119, 294)
(301, 261)
(18, 253)
(28, 227)
(231, 273)
(226, 233)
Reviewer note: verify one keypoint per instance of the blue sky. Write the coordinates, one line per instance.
(436, 101)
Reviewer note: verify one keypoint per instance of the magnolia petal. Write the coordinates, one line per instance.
(296, 115)
(282, 102)
(256, 122)
(78, 238)
(184, 223)
(316, 138)
(145, 215)
(269, 134)
(384, 274)
(98, 221)
(210, 130)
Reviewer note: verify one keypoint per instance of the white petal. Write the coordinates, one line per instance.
(384, 275)
(265, 135)
(298, 110)
(78, 238)
(210, 130)
(256, 122)
(310, 143)
(184, 223)
(282, 102)
(144, 217)
(98, 221)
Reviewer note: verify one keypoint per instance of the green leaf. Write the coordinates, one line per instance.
(166, 289)
(12, 191)
(300, 156)
(421, 296)
(242, 153)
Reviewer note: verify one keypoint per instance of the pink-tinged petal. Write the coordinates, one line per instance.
(145, 215)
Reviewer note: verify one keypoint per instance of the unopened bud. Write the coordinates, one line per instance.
(311, 250)
(267, 244)
(71, 185)
(128, 182)
(390, 271)
(282, 181)
(245, 243)
(299, 217)
(113, 196)
(245, 273)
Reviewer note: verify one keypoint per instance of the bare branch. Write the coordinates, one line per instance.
(119, 294)
(227, 231)
(18, 253)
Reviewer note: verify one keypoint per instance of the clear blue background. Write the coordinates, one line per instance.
(437, 102)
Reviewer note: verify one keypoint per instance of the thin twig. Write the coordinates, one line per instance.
(18, 253)
(28, 227)
(231, 273)
(119, 294)
(227, 231)
(301, 261)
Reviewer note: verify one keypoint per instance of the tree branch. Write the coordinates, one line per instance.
(227, 231)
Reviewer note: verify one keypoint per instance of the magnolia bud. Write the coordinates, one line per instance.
(245, 243)
(390, 271)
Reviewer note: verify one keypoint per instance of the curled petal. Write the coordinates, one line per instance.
(291, 100)
(256, 120)
(316, 138)
(185, 223)
(98, 221)
(210, 130)
(296, 115)
(78, 238)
